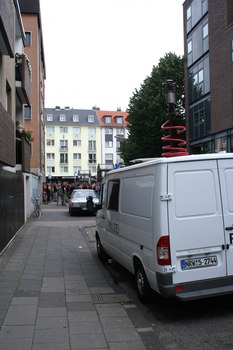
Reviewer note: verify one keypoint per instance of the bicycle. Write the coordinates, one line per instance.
(37, 207)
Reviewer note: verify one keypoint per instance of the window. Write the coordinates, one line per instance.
(76, 131)
(63, 129)
(205, 31)
(107, 119)
(63, 145)
(189, 46)
(108, 144)
(63, 169)
(120, 131)
(49, 117)
(64, 158)
(50, 169)
(91, 131)
(91, 145)
(108, 158)
(92, 169)
(92, 158)
(76, 155)
(76, 170)
(108, 131)
(50, 156)
(50, 142)
(119, 120)
(50, 129)
(189, 13)
(27, 112)
(220, 144)
(76, 118)
(62, 118)
(113, 195)
(77, 143)
(91, 119)
(28, 36)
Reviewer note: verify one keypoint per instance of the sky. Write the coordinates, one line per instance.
(98, 52)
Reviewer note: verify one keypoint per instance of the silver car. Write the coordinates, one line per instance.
(83, 201)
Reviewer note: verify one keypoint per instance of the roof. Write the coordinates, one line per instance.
(69, 113)
(113, 114)
(180, 159)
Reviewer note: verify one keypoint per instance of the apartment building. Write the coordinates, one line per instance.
(72, 144)
(34, 111)
(113, 131)
(15, 80)
(208, 50)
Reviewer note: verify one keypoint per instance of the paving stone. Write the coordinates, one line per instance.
(15, 344)
(51, 322)
(24, 301)
(80, 306)
(88, 341)
(114, 310)
(50, 346)
(127, 346)
(51, 335)
(116, 322)
(121, 334)
(17, 332)
(52, 312)
(85, 327)
(76, 316)
(20, 315)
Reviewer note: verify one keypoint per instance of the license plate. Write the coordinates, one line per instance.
(199, 262)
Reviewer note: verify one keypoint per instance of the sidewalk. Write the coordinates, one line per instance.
(54, 296)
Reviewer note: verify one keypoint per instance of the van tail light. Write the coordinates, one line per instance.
(163, 251)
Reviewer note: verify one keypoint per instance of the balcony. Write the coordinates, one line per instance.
(26, 154)
(7, 138)
(23, 77)
(23, 154)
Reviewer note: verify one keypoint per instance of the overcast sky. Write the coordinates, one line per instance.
(97, 52)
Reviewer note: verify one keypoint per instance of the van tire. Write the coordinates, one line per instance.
(100, 252)
(143, 288)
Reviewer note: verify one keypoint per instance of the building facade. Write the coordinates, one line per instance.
(34, 111)
(15, 80)
(113, 131)
(72, 143)
(208, 50)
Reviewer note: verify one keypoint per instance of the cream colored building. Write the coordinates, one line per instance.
(72, 143)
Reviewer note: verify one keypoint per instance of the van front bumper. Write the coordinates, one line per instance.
(194, 290)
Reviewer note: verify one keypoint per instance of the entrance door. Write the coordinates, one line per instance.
(226, 183)
(195, 221)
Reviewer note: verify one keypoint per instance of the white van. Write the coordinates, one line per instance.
(169, 221)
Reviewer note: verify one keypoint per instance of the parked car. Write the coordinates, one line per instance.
(83, 201)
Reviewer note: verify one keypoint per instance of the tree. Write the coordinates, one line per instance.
(148, 110)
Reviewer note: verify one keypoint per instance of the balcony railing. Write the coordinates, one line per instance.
(26, 154)
(23, 154)
(7, 138)
(23, 77)
(7, 20)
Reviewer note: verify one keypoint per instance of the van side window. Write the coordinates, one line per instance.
(113, 195)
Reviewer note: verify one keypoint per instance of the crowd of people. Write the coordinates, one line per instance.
(52, 190)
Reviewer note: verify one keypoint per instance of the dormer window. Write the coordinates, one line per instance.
(107, 119)
(62, 118)
(91, 119)
(76, 118)
(49, 117)
(119, 120)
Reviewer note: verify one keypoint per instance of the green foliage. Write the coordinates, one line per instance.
(148, 110)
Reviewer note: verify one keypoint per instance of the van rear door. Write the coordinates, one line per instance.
(197, 236)
(226, 184)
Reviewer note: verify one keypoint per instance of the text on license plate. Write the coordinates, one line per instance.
(198, 262)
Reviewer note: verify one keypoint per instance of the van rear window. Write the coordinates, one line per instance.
(113, 195)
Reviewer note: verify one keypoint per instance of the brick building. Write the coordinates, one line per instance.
(208, 50)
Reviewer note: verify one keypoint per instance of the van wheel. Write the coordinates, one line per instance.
(100, 252)
(142, 285)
